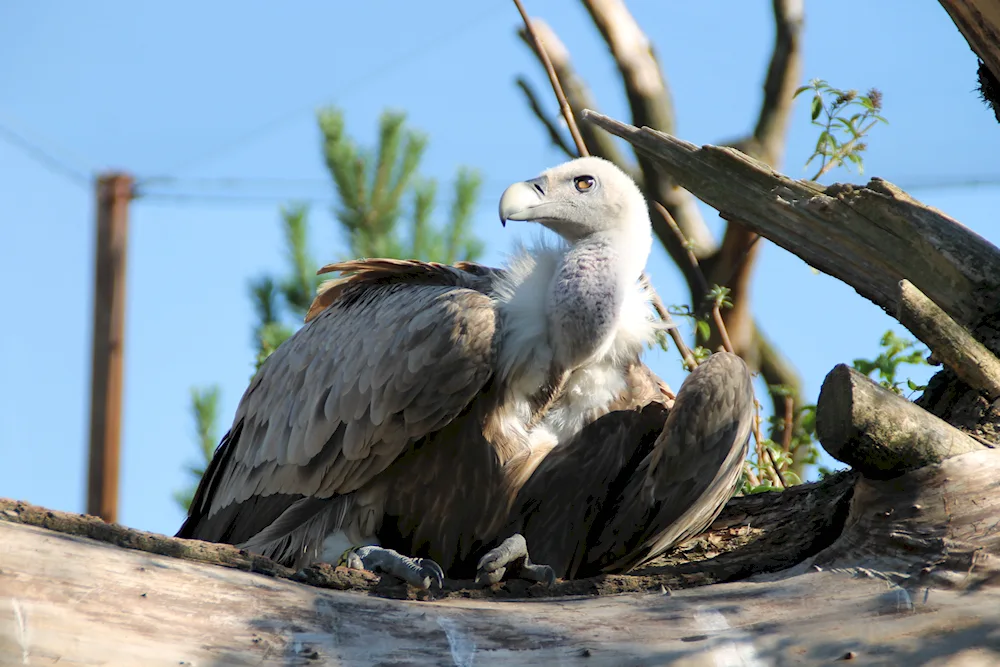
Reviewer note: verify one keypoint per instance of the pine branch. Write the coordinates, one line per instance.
(423, 242)
(467, 185)
(205, 411)
(300, 286)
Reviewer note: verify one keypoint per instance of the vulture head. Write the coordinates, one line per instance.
(579, 199)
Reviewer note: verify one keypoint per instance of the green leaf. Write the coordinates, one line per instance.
(817, 107)
(848, 126)
(824, 138)
(704, 330)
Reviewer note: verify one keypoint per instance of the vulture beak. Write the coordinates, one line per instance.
(520, 201)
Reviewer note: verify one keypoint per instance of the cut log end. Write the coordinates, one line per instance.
(878, 432)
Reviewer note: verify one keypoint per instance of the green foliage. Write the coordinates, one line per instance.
(385, 209)
(845, 118)
(205, 410)
(897, 351)
(372, 188)
(719, 296)
(802, 449)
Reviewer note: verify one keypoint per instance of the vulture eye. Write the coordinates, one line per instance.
(584, 183)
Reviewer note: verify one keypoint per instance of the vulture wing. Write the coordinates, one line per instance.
(390, 353)
(636, 482)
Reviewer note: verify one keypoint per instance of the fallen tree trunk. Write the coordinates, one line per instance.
(883, 590)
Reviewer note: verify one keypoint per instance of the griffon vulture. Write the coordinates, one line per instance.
(408, 415)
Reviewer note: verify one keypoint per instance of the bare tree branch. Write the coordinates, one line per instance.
(650, 103)
(550, 125)
(736, 255)
(538, 44)
(578, 95)
(783, 76)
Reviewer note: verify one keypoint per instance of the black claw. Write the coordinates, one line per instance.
(488, 578)
(432, 570)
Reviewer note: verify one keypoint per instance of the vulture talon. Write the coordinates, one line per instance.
(512, 551)
(417, 572)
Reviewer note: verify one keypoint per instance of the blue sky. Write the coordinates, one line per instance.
(229, 90)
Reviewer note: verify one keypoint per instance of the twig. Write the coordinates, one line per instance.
(721, 326)
(699, 275)
(776, 475)
(675, 335)
(554, 80)
(554, 134)
(786, 434)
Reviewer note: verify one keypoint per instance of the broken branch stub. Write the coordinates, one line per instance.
(951, 343)
(868, 237)
(878, 432)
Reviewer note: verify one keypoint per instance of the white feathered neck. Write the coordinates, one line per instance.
(525, 352)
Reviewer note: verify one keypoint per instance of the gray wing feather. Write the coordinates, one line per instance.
(342, 398)
(693, 470)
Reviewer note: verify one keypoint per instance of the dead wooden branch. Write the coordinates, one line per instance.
(783, 74)
(877, 431)
(951, 343)
(979, 23)
(755, 534)
(577, 94)
(550, 125)
(834, 229)
(543, 55)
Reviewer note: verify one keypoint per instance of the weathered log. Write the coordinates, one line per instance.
(834, 229)
(951, 343)
(755, 534)
(878, 432)
(66, 599)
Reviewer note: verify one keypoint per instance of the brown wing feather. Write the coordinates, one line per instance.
(401, 350)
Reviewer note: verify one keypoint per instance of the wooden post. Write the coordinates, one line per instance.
(114, 190)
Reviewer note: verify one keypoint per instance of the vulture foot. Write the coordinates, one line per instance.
(418, 572)
(512, 552)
